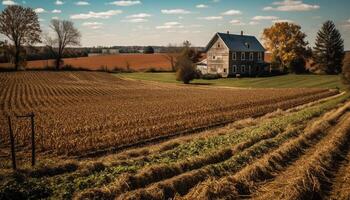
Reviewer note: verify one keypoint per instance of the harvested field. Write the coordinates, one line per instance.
(86, 112)
(137, 62)
(101, 137)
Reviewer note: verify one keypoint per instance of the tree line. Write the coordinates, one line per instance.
(21, 26)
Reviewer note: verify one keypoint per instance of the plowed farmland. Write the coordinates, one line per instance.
(101, 137)
(137, 62)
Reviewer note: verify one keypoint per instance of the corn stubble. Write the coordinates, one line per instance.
(82, 112)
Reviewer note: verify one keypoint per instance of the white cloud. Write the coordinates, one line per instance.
(254, 23)
(136, 20)
(140, 15)
(56, 11)
(82, 3)
(291, 5)
(39, 10)
(93, 25)
(236, 22)
(58, 2)
(216, 1)
(96, 15)
(282, 20)
(55, 17)
(232, 12)
(258, 18)
(41, 20)
(202, 6)
(125, 3)
(8, 3)
(170, 25)
(210, 18)
(175, 11)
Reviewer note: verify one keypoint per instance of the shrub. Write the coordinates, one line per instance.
(148, 50)
(186, 70)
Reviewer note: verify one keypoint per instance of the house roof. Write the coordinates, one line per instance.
(234, 42)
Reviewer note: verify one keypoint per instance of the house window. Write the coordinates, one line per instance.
(234, 69)
(214, 57)
(251, 56)
(219, 45)
(259, 56)
(234, 56)
(243, 68)
(242, 55)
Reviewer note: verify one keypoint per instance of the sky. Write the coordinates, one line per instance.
(161, 22)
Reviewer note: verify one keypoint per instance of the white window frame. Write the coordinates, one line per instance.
(243, 68)
(259, 56)
(251, 56)
(242, 55)
(234, 56)
(234, 69)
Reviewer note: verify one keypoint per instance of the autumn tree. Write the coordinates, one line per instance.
(346, 71)
(21, 26)
(65, 35)
(328, 53)
(287, 44)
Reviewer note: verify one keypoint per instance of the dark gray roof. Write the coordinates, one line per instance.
(238, 42)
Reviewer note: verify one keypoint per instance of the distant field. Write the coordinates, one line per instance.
(138, 62)
(286, 81)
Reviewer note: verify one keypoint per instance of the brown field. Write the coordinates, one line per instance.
(101, 137)
(137, 62)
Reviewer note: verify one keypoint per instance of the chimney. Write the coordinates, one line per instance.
(242, 33)
(228, 32)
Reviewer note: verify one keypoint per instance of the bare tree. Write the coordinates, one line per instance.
(65, 35)
(171, 52)
(21, 26)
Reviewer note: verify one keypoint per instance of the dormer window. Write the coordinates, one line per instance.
(251, 56)
(242, 55)
(259, 56)
(234, 56)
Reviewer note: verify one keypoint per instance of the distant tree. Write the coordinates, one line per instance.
(21, 26)
(287, 43)
(328, 53)
(346, 71)
(65, 35)
(148, 50)
(187, 44)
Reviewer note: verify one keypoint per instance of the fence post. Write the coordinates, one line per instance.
(12, 141)
(33, 139)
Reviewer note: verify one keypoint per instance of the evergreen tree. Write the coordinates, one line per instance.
(346, 71)
(329, 50)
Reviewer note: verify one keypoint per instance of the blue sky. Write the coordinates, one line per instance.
(160, 22)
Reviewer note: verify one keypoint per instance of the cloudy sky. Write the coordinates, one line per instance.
(160, 22)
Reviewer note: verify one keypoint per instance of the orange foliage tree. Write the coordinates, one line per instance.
(287, 44)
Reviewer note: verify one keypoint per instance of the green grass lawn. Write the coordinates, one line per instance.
(285, 81)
